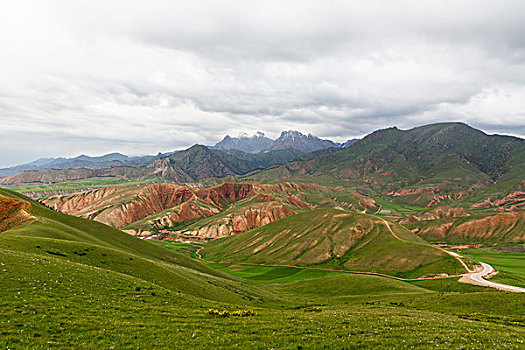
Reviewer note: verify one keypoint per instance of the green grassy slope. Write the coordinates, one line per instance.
(509, 262)
(452, 157)
(335, 239)
(75, 240)
(64, 284)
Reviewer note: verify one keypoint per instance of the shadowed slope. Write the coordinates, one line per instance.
(430, 162)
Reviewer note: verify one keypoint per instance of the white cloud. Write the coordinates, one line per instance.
(142, 77)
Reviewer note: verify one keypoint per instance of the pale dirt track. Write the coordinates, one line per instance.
(455, 255)
(477, 279)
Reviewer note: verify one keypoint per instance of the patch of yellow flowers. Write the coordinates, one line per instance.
(226, 313)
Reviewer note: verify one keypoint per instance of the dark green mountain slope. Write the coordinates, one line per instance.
(196, 163)
(437, 158)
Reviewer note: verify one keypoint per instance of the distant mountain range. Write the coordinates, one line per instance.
(290, 139)
(258, 150)
(193, 164)
(437, 163)
(423, 165)
(82, 161)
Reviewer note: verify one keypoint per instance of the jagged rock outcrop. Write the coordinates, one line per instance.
(290, 139)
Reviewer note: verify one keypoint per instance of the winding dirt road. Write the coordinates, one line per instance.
(455, 255)
(477, 279)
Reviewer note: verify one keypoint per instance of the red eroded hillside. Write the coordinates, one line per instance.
(225, 193)
(242, 206)
(436, 213)
(13, 213)
(507, 227)
(240, 222)
(121, 206)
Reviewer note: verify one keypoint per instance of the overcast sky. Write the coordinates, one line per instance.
(141, 77)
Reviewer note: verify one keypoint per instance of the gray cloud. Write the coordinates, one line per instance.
(141, 77)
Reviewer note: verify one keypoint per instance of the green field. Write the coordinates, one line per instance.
(70, 283)
(79, 185)
(396, 211)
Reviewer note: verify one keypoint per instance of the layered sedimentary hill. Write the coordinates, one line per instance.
(460, 226)
(335, 239)
(13, 213)
(485, 229)
(436, 213)
(230, 208)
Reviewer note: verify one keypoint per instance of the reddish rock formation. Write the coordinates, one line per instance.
(121, 206)
(487, 203)
(412, 191)
(293, 200)
(515, 201)
(13, 213)
(73, 204)
(288, 188)
(505, 227)
(158, 206)
(495, 225)
(240, 223)
(225, 193)
(259, 217)
(261, 197)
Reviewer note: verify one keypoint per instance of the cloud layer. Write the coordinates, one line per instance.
(146, 76)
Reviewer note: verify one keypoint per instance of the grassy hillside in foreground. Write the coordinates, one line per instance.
(64, 284)
(76, 308)
(335, 239)
(74, 240)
